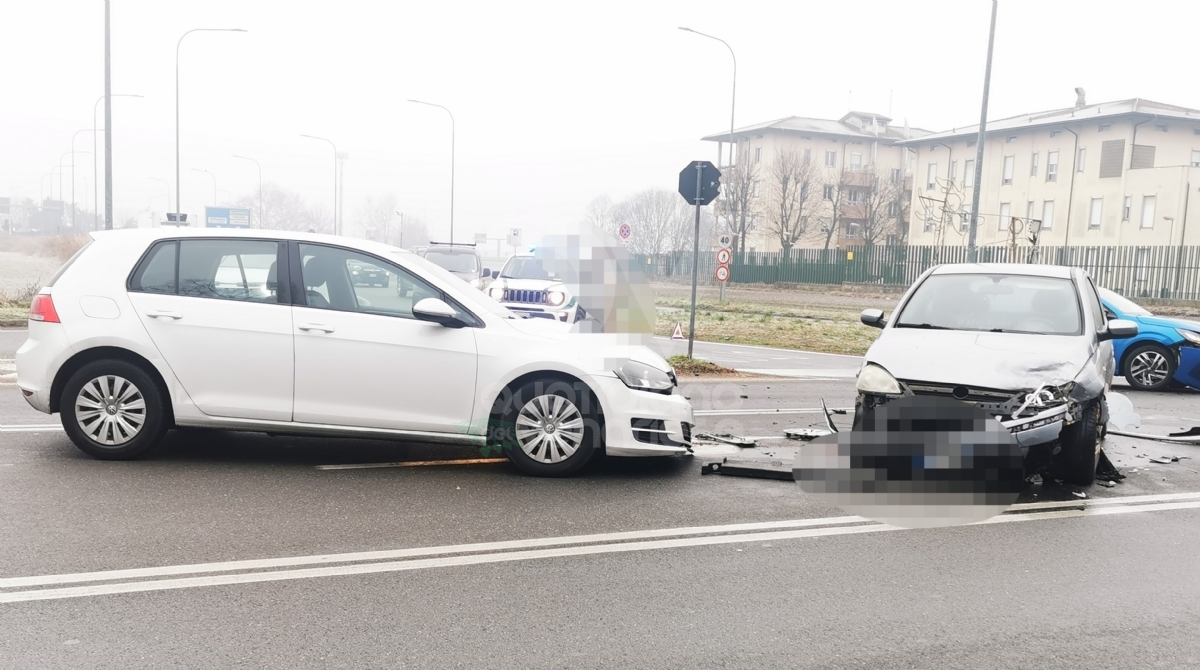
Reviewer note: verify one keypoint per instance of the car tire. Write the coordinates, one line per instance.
(568, 409)
(1148, 367)
(113, 410)
(1076, 462)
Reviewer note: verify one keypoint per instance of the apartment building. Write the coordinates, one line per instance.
(1115, 173)
(851, 157)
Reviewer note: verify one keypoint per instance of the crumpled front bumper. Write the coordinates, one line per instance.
(1040, 428)
(1188, 371)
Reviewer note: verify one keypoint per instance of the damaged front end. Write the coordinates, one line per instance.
(1035, 415)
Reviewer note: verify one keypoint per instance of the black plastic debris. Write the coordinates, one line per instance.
(1106, 471)
(758, 468)
(805, 434)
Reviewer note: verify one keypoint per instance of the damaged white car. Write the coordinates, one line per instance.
(1029, 344)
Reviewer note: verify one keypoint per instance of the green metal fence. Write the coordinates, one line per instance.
(1147, 272)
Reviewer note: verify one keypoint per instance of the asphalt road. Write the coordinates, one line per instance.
(659, 579)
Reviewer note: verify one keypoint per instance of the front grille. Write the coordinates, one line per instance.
(974, 394)
(654, 431)
(521, 295)
(687, 432)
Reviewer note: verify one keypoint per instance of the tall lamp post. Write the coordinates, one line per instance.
(85, 130)
(733, 96)
(432, 104)
(987, 82)
(95, 156)
(247, 158)
(214, 178)
(178, 195)
(70, 153)
(335, 178)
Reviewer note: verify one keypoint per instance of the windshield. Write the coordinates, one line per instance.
(1122, 304)
(474, 299)
(454, 261)
(994, 303)
(528, 267)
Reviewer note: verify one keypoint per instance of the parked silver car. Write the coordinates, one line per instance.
(1029, 344)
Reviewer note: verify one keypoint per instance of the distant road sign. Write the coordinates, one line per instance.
(225, 217)
(725, 240)
(480, 238)
(625, 231)
(723, 256)
(514, 237)
(722, 273)
(710, 183)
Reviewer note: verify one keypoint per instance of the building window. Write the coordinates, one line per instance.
(807, 156)
(1029, 215)
(1055, 133)
(953, 171)
(830, 159)
(1127, 208)
(1095, 212)
(1033, 165)
(855, 161)
(756, 189)
(1105, 126)
(1011, 138)
(897, 175)
(964, 220)
(893, 208)
(1195, 158)
(1082, 160)
(931, 176)
(828, 192)
(1160, 127)
(757, 154)
(1005, 216)
(970, 143)
(1009, 162)
(1047, 214)
(1052, 166)
(1148, 202)
(928, 220)
(853, 195)
(968, 174)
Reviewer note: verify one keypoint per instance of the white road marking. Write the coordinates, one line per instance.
(477, 559)
(30, 427)
(777, 530)
(738, 412)
(412, 464)
(845, 373)
(775, 349)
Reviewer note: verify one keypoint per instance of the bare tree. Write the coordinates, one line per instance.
(658, 218)
(941, 210)
(737, 201)
(286, 210)
(792, 183)
(375, 217)
(599, 213)
(835, 192)
(881, 208)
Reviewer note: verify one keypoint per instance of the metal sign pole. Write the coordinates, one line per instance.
(695, 261)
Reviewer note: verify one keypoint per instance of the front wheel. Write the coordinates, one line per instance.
(549, 427)
(1149, 367)
(113, 410)
(1076, 462)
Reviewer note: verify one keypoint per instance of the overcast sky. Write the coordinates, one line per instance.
(556, 102)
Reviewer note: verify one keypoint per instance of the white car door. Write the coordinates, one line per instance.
(213, 309)
(363, 360)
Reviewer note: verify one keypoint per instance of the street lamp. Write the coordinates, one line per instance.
(733, 97)
(95, 156)
(432, 104)
(70, 153)
(335, 178)
(177, 44)
(85, 130)
(247, 158)
(214, 178)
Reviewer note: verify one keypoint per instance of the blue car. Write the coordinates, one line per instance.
(1165, 352)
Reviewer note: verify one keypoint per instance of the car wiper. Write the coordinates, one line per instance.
(927, 326)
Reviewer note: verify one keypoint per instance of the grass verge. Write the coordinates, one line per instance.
(827, 330)
(695, 366)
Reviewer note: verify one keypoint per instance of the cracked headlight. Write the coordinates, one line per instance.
(642, 377)
(874, 379)
(1190, 336)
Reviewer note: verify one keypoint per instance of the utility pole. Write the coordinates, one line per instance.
(972, 252)
(108, 194)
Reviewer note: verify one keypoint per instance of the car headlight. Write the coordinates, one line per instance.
(874, 379)
(1189, 335)
(642, 377)
(496, 292)
(556, 297)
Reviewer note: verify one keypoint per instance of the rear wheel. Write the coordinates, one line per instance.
(113, 410)
(549, 427)
(1080, 441)
(1149, 367)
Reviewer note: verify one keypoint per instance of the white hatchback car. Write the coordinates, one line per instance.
(267, 331)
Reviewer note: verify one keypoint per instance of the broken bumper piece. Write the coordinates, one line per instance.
(1040, 428)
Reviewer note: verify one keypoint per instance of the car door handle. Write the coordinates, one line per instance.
(164, 314)
(315, 326)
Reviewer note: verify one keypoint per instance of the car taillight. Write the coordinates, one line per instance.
(42, 309)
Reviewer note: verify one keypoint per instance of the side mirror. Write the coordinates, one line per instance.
(1119, 329)
(486, 273)
(873, 318)
(437, 311)
(495, 274)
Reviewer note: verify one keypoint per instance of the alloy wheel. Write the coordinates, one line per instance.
(110, 410)
(549, 428)
(1149, 368)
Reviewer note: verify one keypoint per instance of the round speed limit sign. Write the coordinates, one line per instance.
(722, 273)
(723, 256)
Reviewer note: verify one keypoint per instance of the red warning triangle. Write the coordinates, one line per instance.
(677, 334)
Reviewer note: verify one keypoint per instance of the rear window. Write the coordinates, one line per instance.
(156, 272)
(66, 265)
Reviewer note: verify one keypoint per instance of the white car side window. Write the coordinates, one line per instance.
(343, 280)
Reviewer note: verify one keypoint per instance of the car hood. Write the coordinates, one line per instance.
(1169, 322)
(593, 350)
(1007, 361)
